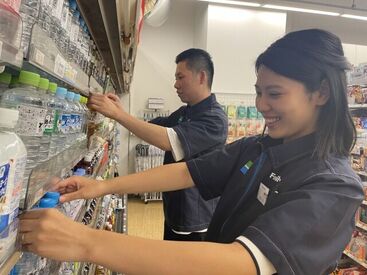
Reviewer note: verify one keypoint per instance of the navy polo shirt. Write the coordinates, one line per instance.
(307, 216)
(200, 128)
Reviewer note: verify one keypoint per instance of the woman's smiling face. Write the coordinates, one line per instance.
(290, 111)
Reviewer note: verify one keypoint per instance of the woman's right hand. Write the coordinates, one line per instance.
(77, 187)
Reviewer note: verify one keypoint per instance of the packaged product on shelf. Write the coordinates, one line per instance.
(251, 112)
(241, 112)
(13, 157)
(231, 111)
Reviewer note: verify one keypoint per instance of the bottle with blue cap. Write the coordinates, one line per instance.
(58, 141)
(74, 117)
(32, 112)
(31, 263)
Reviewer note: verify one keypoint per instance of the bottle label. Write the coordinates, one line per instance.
(51, 122)
(64, 122)
(4, 178)
(31, 121)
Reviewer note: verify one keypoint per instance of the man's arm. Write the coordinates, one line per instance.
(110, 106)
(43, 235)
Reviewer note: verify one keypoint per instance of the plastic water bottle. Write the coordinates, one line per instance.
(57, 104)
(31, 263)
(63, 121)
(26, 99)
(79, 118)
(5, 79)
(74, 114)
(13, 156)
(49, 118)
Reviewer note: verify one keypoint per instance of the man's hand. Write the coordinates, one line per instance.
(109, 105)
(79, 188)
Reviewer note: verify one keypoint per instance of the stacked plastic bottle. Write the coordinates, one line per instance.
(32, 113)
(31, 263)
(59, 141)
(12, 165)
(49, 119)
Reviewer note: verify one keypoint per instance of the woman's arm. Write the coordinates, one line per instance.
(52, 235)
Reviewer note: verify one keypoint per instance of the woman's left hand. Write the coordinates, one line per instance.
(49, 233)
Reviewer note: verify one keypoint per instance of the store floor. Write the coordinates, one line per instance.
(145, 220)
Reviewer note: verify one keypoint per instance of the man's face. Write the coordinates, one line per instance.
(187, 83)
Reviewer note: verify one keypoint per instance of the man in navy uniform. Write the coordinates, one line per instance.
(191, 131)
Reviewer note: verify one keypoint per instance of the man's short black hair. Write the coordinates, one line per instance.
(198, 60)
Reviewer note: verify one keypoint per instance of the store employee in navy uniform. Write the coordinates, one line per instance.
(193, 130)
(287, 199)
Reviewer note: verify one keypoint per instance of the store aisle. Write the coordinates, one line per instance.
(145, 220)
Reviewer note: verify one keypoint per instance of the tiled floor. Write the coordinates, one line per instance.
(145, 220)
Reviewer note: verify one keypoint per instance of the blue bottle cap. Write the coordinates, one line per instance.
(79, 172)
(70, 96)
(61, 92)
(52, 195)
(47, 203)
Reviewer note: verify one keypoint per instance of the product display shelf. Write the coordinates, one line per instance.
(45, 56)
(364, 202)
(361, 226)
(357, 106)
(115, 27)
(355, 259)
(362, 173)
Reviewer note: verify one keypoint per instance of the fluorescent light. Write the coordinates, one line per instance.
(237, 3)
(276, 7)
(354, 16)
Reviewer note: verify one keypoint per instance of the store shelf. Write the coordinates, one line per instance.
(364, 202)
(6, 267)
(361, 226)
(355, 259)
(357, 106)
(45, 58)
(118, 24)
(362, 173)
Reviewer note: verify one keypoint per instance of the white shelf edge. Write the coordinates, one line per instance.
(364, 264)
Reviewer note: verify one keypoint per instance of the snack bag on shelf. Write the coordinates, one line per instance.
(231, 111)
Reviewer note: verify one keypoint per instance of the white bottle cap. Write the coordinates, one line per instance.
(8, 117)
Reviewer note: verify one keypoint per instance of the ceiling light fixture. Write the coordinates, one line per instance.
(354, 16)
(237, 3)
(276, 7)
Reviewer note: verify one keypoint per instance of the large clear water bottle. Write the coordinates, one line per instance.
(49, 119)
(29, 11)
(64, 36)
(5, 79)
(32, 112)
(13, 156)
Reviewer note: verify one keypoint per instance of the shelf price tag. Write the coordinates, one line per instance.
(39, 57)
(60, 66)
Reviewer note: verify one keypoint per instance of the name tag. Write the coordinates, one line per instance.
(262, 194)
